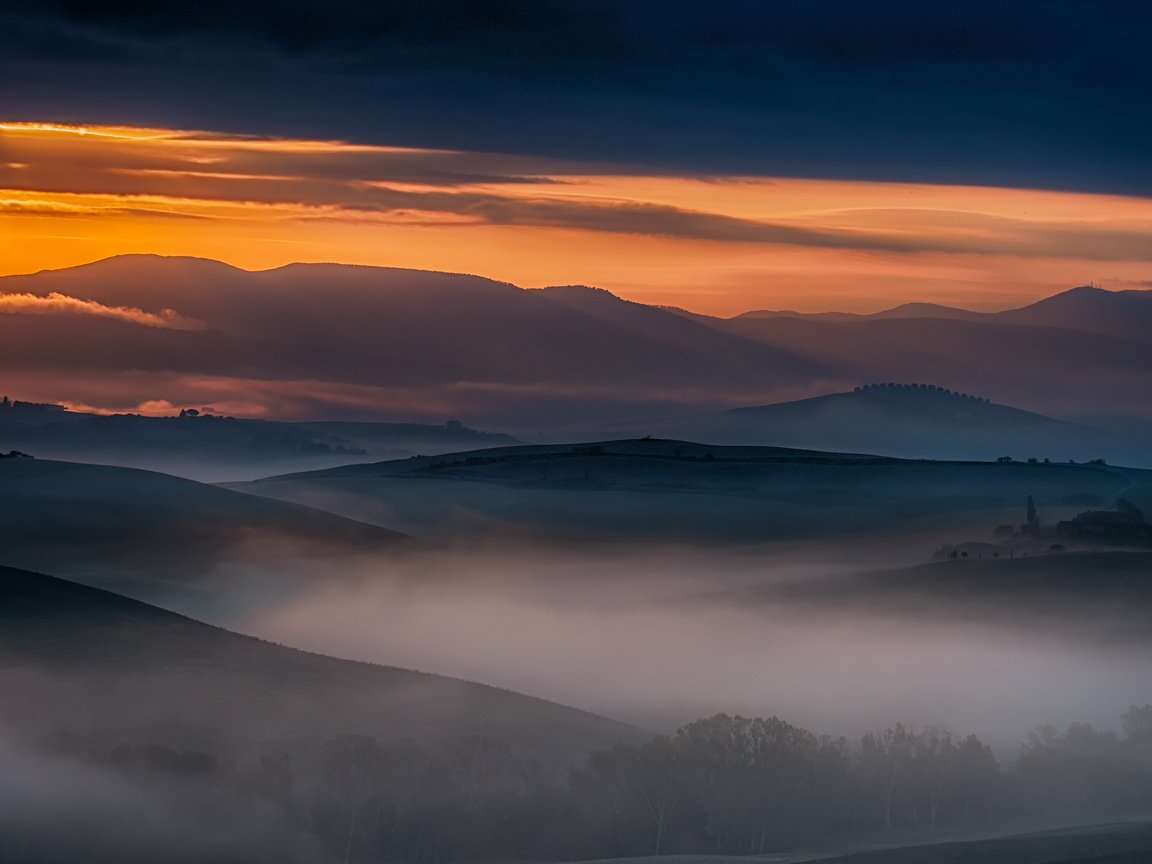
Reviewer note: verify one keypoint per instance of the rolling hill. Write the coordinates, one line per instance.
(914, 421)
(79, 660)
(167, 539)
(210, 447)
(637, 489)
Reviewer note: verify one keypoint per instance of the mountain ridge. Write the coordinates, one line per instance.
(1072, 301)
(527, 360)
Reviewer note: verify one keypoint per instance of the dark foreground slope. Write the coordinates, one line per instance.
(150, 535)
(659, 489)
(84, 661)
(1127, 842)
(1123, 843)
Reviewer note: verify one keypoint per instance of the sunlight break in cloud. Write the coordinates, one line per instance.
(715, 244)
(56, 304)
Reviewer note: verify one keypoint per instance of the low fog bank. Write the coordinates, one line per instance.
(718, 785)
(660, 637)
(61, 801)
(902, 723)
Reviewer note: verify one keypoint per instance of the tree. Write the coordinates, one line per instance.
(645, 781)
(978, 776)
(1137, 722)
(885, 762)
(936, 761)
(763, 782)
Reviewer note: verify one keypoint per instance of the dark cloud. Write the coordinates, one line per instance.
(385, 186)
(1047, 93)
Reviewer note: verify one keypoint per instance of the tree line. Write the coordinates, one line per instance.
(721, 785)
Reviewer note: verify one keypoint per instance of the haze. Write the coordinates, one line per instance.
(456, 432)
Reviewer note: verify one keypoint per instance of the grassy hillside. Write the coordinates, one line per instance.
(80, 660)
(653, 488)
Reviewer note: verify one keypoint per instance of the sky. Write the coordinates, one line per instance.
(718, 156)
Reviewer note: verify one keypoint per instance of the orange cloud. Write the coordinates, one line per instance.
(69, 195)
(61, 304)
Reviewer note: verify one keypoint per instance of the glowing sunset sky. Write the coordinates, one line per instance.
(712, 243)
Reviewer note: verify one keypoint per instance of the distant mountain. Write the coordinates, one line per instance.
(689, 337)
(904, 310)
(1054, 371)
(909, 420)
(166, 539)
(679, 491)
(1127, 314)
(538, 362)
(78, 660)
(388, 327)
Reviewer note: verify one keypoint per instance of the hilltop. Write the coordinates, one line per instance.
(646, 488)
(909, 420)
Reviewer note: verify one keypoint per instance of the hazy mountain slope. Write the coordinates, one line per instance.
(475, 328)
(1044, 369)
(684, 491)
(160, 537)
(918, 422)
(454, 346)
(1127, 314)
(214, 448)
(203, 447)
(86, 661)
(672, 329)
(904, 310)
(420, 438)
(901, 404)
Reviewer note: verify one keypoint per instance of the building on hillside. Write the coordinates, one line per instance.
(1126, 521)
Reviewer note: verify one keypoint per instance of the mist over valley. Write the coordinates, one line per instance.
(575, 431)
